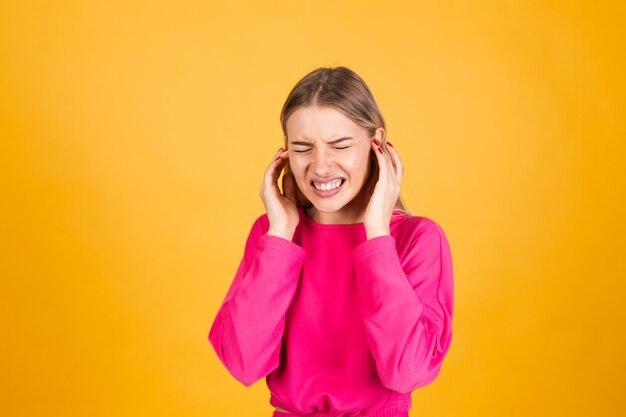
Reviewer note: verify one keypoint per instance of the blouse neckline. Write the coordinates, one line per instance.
(313, 223)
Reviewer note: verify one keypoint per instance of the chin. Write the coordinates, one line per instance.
(328, 207)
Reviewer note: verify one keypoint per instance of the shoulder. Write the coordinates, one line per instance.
(411, 223)
(412, 230)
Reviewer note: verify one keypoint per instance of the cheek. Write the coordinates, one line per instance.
(297, 171)
(357, 166)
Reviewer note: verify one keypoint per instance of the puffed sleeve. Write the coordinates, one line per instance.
(406, 304)
(248, 328)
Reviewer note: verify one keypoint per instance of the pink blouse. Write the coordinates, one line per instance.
(340, 325)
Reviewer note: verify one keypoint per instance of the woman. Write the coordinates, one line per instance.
(343, 299)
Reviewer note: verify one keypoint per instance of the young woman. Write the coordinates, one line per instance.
(343, 299)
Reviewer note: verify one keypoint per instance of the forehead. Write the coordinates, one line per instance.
(320, 123)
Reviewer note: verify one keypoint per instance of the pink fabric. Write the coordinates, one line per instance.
(339, 324)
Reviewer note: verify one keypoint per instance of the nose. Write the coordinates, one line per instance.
(322, 163)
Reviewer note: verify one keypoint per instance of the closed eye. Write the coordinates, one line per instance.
(336, 147)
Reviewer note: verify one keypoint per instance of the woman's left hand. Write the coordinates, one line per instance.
(386, 192)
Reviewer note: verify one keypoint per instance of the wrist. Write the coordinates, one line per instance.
(373, 232)
(285, 233)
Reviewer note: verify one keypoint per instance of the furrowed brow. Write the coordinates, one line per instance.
(334, 142)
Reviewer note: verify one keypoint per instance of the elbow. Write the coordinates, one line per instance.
(247, 379)
(403, 383)
(416, 371)
(233, 362)
(257, 369)
(247, 376)
(247, 371)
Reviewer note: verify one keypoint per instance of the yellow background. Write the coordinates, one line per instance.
(134, 137)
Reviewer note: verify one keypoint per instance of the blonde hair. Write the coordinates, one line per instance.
(342, 89)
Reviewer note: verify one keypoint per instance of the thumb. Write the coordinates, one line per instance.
(289, 187)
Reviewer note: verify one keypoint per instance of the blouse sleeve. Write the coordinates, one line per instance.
(248, 329)
(407, 305)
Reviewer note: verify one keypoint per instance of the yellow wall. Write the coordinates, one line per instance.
(134, 136)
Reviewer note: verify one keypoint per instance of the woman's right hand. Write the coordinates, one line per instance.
(281, 209)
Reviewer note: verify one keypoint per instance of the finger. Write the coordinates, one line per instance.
(383, 161)
(385, 147)
(397, 162)
(279, 162)
(274, 169)
(280, 154)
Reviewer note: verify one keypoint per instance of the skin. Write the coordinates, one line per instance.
(317, 126)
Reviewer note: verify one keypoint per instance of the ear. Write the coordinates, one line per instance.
(379, 134)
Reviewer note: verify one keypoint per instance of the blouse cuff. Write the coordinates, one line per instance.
(376, 244)
(287, 246)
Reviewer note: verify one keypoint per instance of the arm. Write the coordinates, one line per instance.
(407, 305)
(248, 329)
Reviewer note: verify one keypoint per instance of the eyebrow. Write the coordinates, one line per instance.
(331, 143)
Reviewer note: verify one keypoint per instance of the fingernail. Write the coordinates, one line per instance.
(389, 143)
(377, 142)
(277, 159)
(380, 149)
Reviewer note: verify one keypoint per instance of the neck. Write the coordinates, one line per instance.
(343, 216)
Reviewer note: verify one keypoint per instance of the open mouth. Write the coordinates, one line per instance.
(328, 186)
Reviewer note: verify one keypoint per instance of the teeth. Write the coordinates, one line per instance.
(327, 186)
